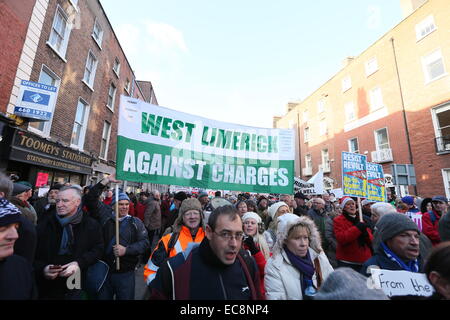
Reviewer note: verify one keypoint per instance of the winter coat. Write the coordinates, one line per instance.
(444, 227)
(197, 274)
(25, 245)
(283, 281)
(431, 229)
(86, 250)
(152, 214)
(348, 249)
(160, 255)
(139, 210)
(16, 279)
(332, 243)
(320, 219)
(26, 209)
(133, 235)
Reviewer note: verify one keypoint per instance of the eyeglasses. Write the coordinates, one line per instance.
(228, 235)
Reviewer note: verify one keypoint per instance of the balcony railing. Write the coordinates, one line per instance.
(307, 171)
(442, 144)
(382, 156)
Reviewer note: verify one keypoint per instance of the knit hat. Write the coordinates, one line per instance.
(56, 186)
(274, 208)
(347, 284)
(25, 183)
(408, 200)
(344, 201)
(181, 196)
(190, 204)
(9, 213)
(20, 188)
(251, 215)
(440, 198)
(392, 224)
(201, 195)
(122, 196)
(300, 195)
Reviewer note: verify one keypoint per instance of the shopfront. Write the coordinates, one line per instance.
(43, 163)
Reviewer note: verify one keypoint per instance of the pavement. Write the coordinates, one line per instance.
(140, 285)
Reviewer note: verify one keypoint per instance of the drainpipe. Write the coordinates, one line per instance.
(405, 122)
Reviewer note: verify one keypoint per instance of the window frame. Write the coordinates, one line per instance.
(377, 146)
(306, 136)
(108, 136)
(116, 72)
(368, 66)
(321, 106)
(349, 143)
(111, 107)
(434, 116)
(308, 160)
(61, 52)
(90, 83)
(373, 98)
(323, 127)
(80, 145)
(429, 20)
(346, 108)
(346, 83)
(427, 60)
(97, 41)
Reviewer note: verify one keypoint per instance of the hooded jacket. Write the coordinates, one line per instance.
(282, 280)
(183, 237)
(152, 214)
(430, 228)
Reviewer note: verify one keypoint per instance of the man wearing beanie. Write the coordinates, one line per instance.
(398, 248)
(187, 228)
(46, 206)
(133, 241)
(16, 277)
(177, 201)
(431, 219)
(19, 198)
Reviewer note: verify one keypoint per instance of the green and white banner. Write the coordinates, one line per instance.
(160, 145)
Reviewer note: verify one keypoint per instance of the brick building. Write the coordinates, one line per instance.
(69, 44)
(391, 103)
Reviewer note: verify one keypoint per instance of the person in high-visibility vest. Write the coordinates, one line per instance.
(188, 227)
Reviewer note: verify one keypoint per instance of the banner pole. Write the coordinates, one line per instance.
(117, 225)
(360, 210)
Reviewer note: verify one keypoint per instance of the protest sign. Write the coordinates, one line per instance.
(376, 190)
(164, 146)
(401, 283)
(303, 186)
(354, 174)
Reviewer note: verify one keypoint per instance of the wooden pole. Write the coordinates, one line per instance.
(360, 210)
(117, 224)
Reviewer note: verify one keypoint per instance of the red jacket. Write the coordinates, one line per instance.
(131, 212)
(140, 210)
(261, 263)
(431, 229)
(348, 248)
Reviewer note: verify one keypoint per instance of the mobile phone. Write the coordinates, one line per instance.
(55, 267)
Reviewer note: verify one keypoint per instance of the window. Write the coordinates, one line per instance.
(425, 27)
(97, 33)
(89, 72)
(376, 99)
(350, 111)
(50, 78)
(127, 86)
(80, 125)
(74, 2)
(353, 145)
(441, 122)
(371, 66)
(446, 176)
(59, 35)
(105, 140)
(308, 161)
(323, 127)
(321, 106)
(305, 116)
(325, 158)
(346, 83)
(116, 67)
(382, 139)
(306, 134)
(433, 66)
(111, 96)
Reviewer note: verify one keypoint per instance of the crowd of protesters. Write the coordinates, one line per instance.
(196, 246)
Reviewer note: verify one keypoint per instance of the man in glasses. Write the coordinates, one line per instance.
(215, 269)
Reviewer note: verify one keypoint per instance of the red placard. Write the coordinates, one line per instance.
(42, 179)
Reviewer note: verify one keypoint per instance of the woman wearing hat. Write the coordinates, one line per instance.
(276, 210)
(298, 263)
(255, 243)
(354, 238)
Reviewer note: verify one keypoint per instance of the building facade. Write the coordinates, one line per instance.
(390, 103)
(71, 45)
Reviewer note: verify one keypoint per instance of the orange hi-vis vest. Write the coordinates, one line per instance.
(160, 253)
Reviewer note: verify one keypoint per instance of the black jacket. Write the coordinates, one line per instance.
(16, 279)
(25, 245)
(87, 248)
(134, 236)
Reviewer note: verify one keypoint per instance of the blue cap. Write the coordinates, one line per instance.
(122, 196)
(440, 198)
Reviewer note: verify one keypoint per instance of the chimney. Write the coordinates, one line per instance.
(347, 61)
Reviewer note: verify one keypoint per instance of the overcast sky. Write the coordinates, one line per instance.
(243, 61)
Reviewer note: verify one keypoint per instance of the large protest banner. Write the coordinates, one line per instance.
(376, 190)
(354, 174)
(164, 146)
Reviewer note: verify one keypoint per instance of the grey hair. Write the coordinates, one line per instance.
(382, 208)
(319, 200)
(6, 185)
(76, 188)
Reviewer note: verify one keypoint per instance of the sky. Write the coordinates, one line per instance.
(242, 61)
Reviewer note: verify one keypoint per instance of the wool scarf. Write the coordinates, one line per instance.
(67, 236)
(303, 265)
(412, 266)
